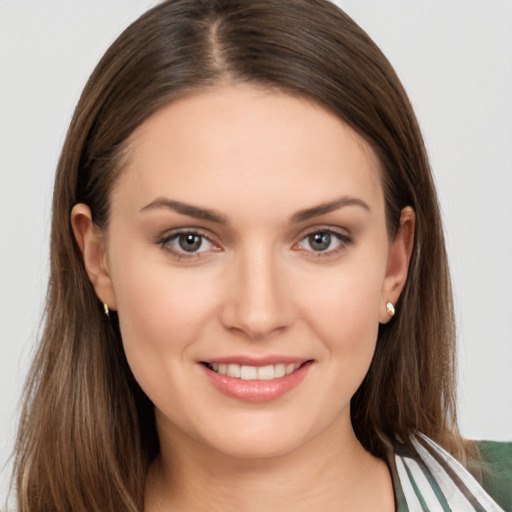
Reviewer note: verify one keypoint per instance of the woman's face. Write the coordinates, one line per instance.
(248, 259)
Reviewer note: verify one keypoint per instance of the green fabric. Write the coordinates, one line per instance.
(496, 471)
(493, 472)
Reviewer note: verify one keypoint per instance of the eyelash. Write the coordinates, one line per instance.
(166, 241)
(343, 239)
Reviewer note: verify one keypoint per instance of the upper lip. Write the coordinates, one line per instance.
(256, 360)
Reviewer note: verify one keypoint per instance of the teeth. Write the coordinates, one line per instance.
(289, 369)
(233, 371)
(279, 370)
(266, 372)
(244, 372)
(248, 372)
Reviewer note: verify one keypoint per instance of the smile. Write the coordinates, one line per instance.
(250, 383)
(246, 372)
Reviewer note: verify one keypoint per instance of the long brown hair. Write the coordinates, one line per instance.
(87, 432)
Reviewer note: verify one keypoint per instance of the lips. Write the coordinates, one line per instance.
(260, 381)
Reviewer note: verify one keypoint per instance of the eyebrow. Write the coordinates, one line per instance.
(325, 208)
(213, 216)
(186, 209)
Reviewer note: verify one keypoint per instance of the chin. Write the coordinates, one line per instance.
(246, 448)
(265, 437)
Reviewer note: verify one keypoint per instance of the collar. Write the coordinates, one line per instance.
(427, 478)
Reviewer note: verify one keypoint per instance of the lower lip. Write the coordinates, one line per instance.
(256, 390)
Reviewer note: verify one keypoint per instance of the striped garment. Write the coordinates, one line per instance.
(429, 479)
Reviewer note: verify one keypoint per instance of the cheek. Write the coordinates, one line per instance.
(348, 301)
(348, 325)
(160, 312)
(343, 312)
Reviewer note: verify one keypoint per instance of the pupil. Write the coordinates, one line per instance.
(190, 243)
(320, 241)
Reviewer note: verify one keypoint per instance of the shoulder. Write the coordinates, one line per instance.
(495, 471)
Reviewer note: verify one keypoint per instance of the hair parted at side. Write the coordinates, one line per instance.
(87, 432)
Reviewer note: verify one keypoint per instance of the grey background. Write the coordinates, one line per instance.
(455, 60)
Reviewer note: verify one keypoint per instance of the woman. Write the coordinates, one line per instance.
(249, 302)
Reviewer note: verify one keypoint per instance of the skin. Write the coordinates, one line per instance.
(257, 286)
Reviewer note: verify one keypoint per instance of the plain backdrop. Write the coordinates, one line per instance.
(455, 60)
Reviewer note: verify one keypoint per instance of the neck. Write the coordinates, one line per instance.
(332, 473)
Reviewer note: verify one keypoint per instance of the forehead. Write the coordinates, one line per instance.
(244, 146)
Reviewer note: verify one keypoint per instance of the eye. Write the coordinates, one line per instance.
(324, 241)
(190, 242)
(187, 244)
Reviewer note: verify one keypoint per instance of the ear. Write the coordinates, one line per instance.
(398, 263)
(92, 246)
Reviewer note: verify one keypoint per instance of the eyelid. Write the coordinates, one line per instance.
(165, 239)
(326, 228)
(341, 234)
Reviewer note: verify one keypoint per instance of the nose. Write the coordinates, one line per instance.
(257, 304)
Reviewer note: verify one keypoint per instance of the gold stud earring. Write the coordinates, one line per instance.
(106, 310)
(390, 308)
